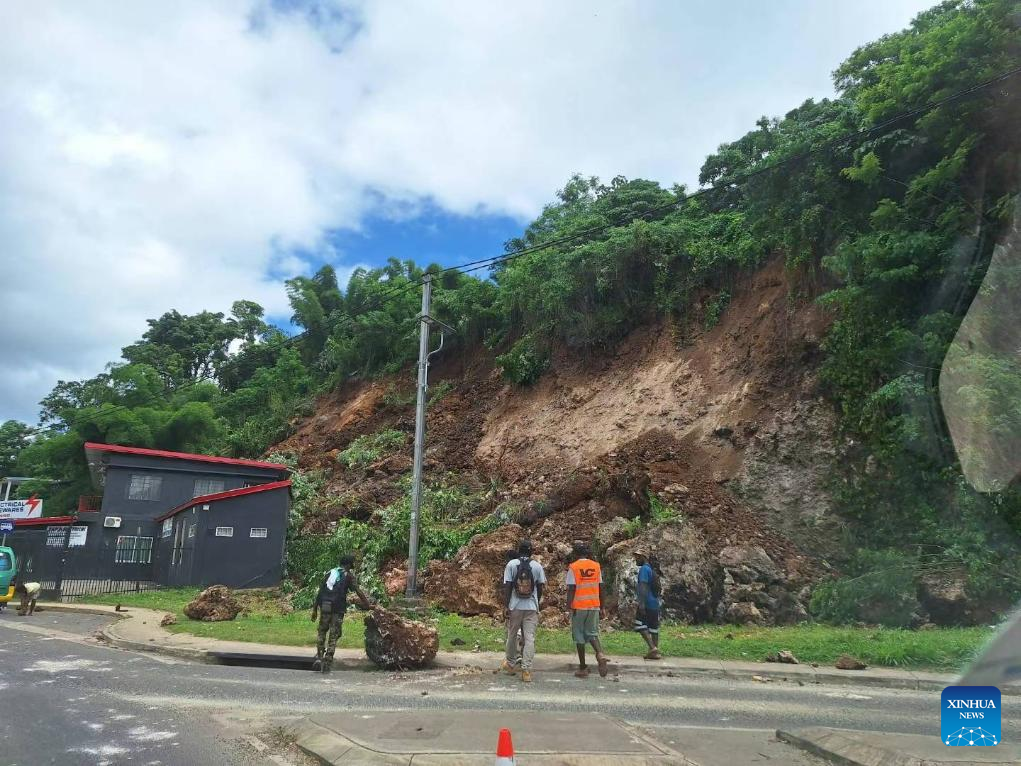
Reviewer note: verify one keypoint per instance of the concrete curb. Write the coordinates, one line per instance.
(679, 667)
(866, 748)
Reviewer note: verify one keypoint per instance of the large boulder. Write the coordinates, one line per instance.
(689, 574)
(756, 590)
(749, 564)
(395, 643)
(470, 582)
(215, 604)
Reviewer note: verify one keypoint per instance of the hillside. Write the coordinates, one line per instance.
(723, 425)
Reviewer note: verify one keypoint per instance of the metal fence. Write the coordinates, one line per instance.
(66, 572)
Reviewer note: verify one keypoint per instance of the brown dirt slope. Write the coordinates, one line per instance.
(675, 407)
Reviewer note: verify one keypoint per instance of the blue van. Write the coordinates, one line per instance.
(8, 568)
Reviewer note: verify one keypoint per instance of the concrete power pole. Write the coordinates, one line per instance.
(423, 386)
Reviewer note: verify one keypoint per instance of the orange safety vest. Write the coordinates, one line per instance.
(586, 584)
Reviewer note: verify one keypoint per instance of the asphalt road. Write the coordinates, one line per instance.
(69, 700)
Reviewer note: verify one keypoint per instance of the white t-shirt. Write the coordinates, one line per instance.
(32, 589)
(538, 575)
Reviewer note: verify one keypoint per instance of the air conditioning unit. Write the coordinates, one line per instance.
(112, 522)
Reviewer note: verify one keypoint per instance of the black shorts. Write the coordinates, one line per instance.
(649, 623)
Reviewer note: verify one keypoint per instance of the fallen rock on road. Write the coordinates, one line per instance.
(395, 643)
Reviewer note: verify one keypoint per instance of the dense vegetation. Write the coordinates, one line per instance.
(893, 221)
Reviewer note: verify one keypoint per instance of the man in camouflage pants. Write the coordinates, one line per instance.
(329, 608)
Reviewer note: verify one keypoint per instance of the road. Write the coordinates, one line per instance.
(65, 699)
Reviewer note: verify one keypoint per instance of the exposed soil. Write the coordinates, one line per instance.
(671, 410)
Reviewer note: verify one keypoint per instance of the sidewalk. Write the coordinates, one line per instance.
(861, 748)
(139, 629)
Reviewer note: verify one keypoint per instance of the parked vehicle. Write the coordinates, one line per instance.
(8, 570)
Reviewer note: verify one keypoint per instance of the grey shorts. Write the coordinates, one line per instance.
(584, 625)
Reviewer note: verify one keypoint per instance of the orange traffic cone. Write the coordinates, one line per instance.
(504, 749)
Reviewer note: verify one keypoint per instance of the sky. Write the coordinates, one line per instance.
(158, 156)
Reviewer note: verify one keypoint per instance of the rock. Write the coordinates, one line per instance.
(395, 580)
(168, 619)
(783, 656)
(394, 643)
(457, 641)
(749, 563)
(944, 597)
(689, 575)
(470, 582)
(741, 613)
(847, 662)
(610, 533)
(119, 608)
(215, 604)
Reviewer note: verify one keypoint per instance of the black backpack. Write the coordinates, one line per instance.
(524, 579)
(335, 600)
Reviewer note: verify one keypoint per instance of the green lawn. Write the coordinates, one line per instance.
(264, 622)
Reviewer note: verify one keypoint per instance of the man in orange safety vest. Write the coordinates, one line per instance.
(584, 599)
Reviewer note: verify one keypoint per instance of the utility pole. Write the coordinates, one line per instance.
(423, 387)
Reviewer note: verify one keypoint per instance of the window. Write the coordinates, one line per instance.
(207, 487)
(191, 530)
(5, 561)
(132, 549)
(225, 531)
(259, 532)
(143, 487)
(168, 528)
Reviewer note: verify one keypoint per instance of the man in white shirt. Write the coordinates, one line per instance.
(523, 582)
(29, 592)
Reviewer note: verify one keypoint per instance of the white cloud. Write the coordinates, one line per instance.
(184, 156)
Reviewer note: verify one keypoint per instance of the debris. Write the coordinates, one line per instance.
(783, 656)
(762, 679)
(457, 641)
(215, 604)
(168, 619)
(847, 662)
(119, 608)
(729, 636)
(395, 643)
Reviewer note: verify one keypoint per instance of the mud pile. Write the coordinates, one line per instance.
(215, 604)
(394, 643)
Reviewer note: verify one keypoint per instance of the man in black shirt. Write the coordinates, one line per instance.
(329, 608)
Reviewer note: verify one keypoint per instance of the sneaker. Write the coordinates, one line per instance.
(526, 676)
(327, 666)
(317, 664)
(509, 669)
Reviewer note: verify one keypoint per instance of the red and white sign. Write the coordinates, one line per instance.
(21, 509)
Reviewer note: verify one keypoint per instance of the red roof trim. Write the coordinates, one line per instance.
(120, 449)
(44, 521)
(202, 499)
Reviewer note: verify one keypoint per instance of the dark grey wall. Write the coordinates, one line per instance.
(240, 561)
(97, 558)
(178, 482)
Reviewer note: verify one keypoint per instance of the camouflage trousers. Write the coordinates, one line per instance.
(331, 624)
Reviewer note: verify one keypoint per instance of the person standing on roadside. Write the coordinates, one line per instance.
(585, 599)
(523, 583)
(647, 614)
(329, 608)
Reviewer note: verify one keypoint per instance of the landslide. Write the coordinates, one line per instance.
(723, 425)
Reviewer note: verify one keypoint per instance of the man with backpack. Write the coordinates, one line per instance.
(647, 614)
(329, 608)
(523, 583)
